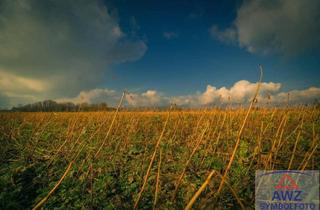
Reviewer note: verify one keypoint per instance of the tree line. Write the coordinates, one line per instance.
(53, 106)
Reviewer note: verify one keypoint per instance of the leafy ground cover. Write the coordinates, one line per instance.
(149, 160)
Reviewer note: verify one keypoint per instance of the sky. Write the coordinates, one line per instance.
(192, 53)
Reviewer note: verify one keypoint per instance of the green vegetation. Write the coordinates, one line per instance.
(39, 149)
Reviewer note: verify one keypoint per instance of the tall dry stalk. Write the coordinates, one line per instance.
(111, 125)
(42, 202)
(219, 135)
(207, 182)
(207, 145)
(151, 161)
(240, 134)
(197, 194)
(198, 143)
(274, 143)
(295, 148)
(308, 158)
(156, 192)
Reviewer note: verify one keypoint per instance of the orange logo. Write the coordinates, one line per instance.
(287, 183)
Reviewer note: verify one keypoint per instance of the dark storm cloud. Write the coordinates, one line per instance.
(66, 44)
(287, 27)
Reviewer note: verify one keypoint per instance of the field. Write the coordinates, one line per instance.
(150, 160)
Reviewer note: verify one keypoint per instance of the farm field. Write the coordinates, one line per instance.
(150, 160)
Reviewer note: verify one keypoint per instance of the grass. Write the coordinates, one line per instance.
(100, 160)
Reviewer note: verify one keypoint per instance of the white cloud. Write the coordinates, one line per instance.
(228, 35)
(286, 27)
(243, 91)
(170, 35)
(308, 95)
(10, 83)
(15, 89)
(148, 98)
(93, 96)
(112, 97)
(240, 92)
(67, 45)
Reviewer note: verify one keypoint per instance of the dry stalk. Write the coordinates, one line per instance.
(189, 160)
(207, 182)
(240, 134)
(54, 188)
(157, 182)
(82, 145)
(294, 148)
(111, 125)
(232, 191)
(151, 161)
(197, 194)
(307, 161)
(211, 134)
(274, 143)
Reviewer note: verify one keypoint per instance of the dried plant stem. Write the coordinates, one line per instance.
(197, 194)
(279, 145)
(307, 161)
(60, 148)
(91, 186)
(231, 189)
(158, 181)
(274, 143)
(294, 149)
(189, 160)
(61, 179)
(239, 135)
(219, 135)
(257, 149)
(151, 162)
(54, 188)
(314, 136)
(111, 125)
(311, 150)
(71, 163)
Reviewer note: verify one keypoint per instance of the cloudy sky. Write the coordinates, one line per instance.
(192, 53)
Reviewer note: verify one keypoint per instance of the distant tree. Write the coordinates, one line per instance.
(53, 106)
(103, 106)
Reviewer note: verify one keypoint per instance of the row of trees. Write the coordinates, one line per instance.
(53, 106)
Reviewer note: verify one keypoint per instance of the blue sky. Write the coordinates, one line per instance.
(193, 59)
(161, 51)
